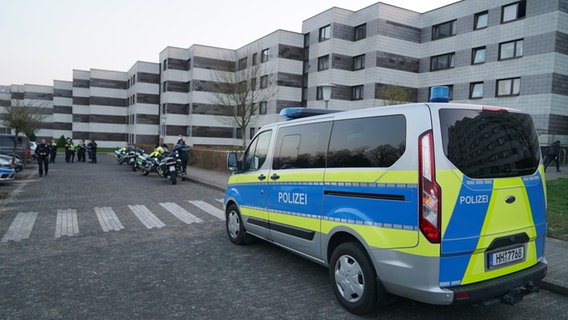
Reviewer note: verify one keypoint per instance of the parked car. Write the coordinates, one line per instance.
(18, 163)
(7, 145)
(7, 173)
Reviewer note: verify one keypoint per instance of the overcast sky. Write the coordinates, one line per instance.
(44, 40)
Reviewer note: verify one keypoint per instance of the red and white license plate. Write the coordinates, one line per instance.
(501, 258)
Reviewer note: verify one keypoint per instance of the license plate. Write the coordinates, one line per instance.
(172, 168)
(501, 258)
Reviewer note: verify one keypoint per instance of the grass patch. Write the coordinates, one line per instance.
(557, 208)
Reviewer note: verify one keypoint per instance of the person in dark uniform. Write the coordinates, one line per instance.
(93, 147)
(552, 155)
(162, 144)
(43, 150)
(81, 151)
(183, 150)
(53, 151)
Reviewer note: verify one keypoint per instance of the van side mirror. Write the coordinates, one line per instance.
(232, 162)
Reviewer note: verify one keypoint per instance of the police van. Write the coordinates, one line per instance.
(438, 202)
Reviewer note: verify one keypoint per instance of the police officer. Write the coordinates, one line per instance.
(183, 150)
(53, 151)
(552, 155)
(42, 154)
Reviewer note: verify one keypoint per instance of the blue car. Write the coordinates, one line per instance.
(7, 171)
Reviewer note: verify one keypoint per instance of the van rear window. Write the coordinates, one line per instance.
(486, 144)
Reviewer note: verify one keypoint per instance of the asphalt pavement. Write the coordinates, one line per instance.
(556, 251)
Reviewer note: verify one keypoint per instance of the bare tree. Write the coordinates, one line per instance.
(23, 118)
(239, 93)
(396, 95)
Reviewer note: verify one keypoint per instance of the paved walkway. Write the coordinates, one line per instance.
(556, 279)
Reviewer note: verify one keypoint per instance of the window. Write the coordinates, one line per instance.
(444, 30)
(360, 32)
(319, 93)
(441, 62)
(165, 64)
(325, 33)
(239, 133)
(478, 55)
(513, 11)
(254, 58)
(253, 84)
(508, 87)
(367, 142)
(262, 106)
(264, 82)
(359, 62)
(301, 146)
(242, 63)
(323, 63)
(256, 154)
(480, 20)
(470, 136)
(164, 87)
(264, 55)
(357, 93)
(511, 49)
(251, 132)
(476, 90)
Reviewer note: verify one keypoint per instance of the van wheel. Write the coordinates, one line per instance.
(353, 278)
(235, 228)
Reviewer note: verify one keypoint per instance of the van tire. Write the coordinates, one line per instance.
(353, 278)
(235, 228)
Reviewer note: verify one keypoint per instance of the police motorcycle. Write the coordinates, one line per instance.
(120, 154)
(138, 156)
(166, 164)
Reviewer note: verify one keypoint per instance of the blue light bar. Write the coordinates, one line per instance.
(439, 94)
(300, 112)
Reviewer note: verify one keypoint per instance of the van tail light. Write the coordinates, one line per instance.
(430, 193)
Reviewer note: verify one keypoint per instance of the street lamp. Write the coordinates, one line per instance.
(326, 92)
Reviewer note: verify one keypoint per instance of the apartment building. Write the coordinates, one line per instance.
(491, 52)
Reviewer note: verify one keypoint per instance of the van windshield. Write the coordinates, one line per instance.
(487, 144)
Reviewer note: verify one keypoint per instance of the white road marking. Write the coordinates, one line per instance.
(146, 217)
(66, 223)
(108, 219)
(209, 209)
(21, 227)
(180, 213)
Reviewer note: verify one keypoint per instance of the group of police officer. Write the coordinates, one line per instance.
(46, 153)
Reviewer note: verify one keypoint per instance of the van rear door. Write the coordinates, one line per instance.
(493, 201)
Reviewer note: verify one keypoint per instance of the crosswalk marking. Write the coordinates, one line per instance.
(108, 219)
(66, 223)
(21, 227)
(146, 217)
(180, 213)
(208, 208)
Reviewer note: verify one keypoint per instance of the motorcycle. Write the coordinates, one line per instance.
(138, 155)
(168, 166)
(120, 155)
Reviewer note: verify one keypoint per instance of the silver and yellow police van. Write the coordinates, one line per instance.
(438, 202)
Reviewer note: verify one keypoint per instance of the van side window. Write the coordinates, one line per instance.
(367, 142)
(302, 146)
(256, 154)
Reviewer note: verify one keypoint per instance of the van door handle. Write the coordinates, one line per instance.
(261, 177)
(275, 177)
